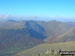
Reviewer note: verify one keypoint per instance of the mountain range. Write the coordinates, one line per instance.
(16, 36)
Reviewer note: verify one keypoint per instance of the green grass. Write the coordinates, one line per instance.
(41, 49)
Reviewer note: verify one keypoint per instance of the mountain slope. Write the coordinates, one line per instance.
(15, 36)
(54, 29)
(44, 47)
(67, 36)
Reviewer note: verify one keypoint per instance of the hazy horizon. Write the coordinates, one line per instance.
(35, 18)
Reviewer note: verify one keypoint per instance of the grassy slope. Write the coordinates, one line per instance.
(43, 47)
(67, 36)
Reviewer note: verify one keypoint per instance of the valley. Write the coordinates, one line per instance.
(17, 36)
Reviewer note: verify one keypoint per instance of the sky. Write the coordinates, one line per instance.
(41, 8)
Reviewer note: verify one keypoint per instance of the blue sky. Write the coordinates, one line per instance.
(44, 8)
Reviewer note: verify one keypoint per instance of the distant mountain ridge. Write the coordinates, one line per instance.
(34, 18)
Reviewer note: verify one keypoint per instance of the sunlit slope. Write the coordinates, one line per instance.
(54, 29)
(67, 36)
(43, 48)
